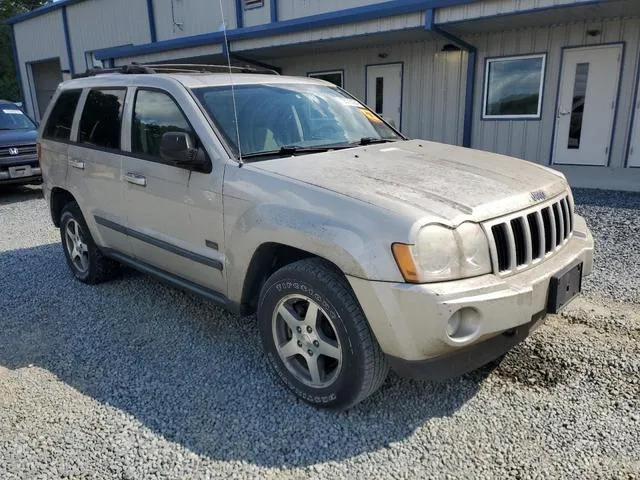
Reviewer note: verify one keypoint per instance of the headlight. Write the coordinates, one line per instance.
(442, 253)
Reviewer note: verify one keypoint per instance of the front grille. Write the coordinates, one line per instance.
(21, 150)
(523, 239)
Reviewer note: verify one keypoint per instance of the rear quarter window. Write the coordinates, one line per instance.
(58, 125)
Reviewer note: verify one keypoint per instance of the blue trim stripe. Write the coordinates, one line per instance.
(16, 63)
(152, 21)
(239, 14)
(357, 14)
(67, 39)
(274, 11)
(472, 53)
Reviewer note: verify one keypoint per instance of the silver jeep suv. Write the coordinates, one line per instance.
(359, 249)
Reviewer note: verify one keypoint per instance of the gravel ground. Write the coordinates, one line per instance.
(132, 379)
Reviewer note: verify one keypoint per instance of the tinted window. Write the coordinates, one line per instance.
(154, 114)
(514, 87)
(101, 118)
(59, 123)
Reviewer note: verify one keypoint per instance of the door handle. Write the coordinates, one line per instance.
(79, 164)
(562, 113)
(135, 179)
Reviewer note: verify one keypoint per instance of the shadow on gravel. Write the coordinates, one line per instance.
(19, 193)
(189, 371)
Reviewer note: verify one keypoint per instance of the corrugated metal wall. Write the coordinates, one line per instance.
(288, 9)
(490, 8)
(531, 139)
(176, 55)
(398, 22)
(182, 18)
(257, 16)
(432, 107)
(98, 24)
(39, 38)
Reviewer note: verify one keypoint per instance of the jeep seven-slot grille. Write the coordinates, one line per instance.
(521, 240)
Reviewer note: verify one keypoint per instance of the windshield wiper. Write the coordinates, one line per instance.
(371, 140)
(287, 150)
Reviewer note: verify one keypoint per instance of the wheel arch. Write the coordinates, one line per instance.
(267, 259)
(59, 198)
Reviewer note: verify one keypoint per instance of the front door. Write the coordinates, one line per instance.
(587, 104)
(174, 218)
(384, 91)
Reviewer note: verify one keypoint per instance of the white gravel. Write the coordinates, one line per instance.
(132, 379)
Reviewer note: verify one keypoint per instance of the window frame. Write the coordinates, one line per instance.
(328, 72)
(75, 112)
(543, 77)
(151, 158)
(76, 140)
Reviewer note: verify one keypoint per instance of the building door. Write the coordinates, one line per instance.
(384, 91)
(634, 147)
(587, 104)
(46, 75)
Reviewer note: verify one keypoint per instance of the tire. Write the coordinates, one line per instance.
(350, 363)
(87, 263)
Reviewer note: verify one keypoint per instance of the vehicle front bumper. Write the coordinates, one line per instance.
(10, 166)
(410, 321)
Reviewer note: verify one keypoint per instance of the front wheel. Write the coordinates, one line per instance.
(316, 336)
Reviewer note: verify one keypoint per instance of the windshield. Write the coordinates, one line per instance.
(12, 118)
(307, 116)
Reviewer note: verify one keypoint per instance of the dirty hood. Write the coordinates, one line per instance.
(419, 178)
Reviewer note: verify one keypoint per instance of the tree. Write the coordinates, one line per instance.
(9, 88)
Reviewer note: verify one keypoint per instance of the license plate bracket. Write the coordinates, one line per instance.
(564, 287)
(20, 171)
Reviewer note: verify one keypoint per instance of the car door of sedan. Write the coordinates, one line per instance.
(174, 217)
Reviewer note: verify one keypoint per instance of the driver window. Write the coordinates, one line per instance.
(155, 113)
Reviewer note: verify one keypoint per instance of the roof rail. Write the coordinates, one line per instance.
(136, 68)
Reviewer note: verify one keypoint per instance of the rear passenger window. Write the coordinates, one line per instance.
(59, 124)
(154, 114)
(101, 118)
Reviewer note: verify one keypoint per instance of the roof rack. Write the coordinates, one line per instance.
(136, 68)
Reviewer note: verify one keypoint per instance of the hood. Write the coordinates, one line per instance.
(9, 138)
(446, 183)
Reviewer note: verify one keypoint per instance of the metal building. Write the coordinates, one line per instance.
(551, 81)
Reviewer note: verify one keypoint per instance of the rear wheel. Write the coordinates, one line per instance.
(86, 261)
(316, 336)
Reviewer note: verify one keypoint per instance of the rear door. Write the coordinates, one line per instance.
(55, 138)
(174, 214)
(95, 163)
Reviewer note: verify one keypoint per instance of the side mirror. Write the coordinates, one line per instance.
(177, 147)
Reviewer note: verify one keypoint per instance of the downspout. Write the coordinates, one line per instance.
(67, 39)
(431, 26)
(152, 21)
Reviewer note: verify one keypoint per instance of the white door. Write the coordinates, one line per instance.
(634, 147)
(384, 91)
(587, 105)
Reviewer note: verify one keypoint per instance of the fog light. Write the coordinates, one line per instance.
(464, 325)
(453, 325)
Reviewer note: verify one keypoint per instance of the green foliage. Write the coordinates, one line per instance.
(9, 88)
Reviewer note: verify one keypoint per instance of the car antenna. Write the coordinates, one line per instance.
(233, 91)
